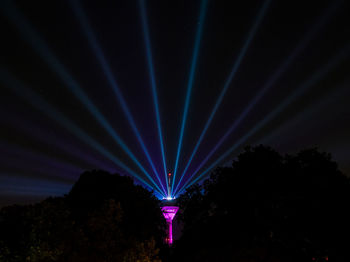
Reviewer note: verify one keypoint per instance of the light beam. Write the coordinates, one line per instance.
(33, 38)
(38, 133)
(228, 81)
(83, 20)
(190, 84)
(317, 26)
(16, 184)
(153, 83)
(306, 116)
(335, 61)
(38, 102)
(37, 160)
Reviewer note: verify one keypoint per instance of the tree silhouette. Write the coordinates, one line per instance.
(268, 207)
(265, 207)
(104, 218)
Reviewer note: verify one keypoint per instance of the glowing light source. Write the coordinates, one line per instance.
(169, 213)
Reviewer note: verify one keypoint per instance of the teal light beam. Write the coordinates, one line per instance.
(39, 45)
(310, 34)
(228, 81)
(38, 102)
(84, 22)
(316, 77)
(190, 85)
(153, 85)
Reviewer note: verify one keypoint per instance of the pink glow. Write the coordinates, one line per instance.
(169, 213)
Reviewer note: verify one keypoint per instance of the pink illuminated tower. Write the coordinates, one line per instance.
(169, 211)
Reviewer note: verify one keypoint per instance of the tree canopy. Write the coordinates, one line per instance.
(268, 207)
(103, 218)
(264, 207)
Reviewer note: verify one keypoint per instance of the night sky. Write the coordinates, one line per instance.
(290, 89)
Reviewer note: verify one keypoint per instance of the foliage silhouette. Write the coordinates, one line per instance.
(104, 218)
(268, 207)
(265, 207)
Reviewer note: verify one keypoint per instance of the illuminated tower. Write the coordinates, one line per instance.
(169, 211)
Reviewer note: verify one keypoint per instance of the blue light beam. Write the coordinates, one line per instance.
(316, 77)
(32, 37)
(153, 83)
(37, 160)
(84, 23)
(308, 113)
(274, 78)
(38, 102)
(234, 70)
(41, 135)
(17, 184)
(202, 13)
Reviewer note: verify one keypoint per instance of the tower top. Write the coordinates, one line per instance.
(169, 212)
(169, 197)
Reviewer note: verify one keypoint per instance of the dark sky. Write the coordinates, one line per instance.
(40, 157)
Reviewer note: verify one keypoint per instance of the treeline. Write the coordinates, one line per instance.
(268, 207)
(264, 207)
(104, 218)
